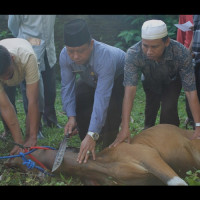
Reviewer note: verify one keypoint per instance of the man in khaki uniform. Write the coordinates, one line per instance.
(18, 62)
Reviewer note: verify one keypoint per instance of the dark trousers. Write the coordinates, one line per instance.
(84, 107)
(49, 83)
(167, 100)
(197, 77)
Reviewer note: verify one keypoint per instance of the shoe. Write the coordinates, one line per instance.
(40, 135)
(51, 123)
(58, 126)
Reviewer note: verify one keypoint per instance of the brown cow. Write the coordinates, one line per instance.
(158, 155)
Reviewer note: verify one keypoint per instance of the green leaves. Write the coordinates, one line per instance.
(133, 34)
(192, 178)
(5, 34)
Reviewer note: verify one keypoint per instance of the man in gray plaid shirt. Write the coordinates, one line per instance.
(195, 48)
(166, 66)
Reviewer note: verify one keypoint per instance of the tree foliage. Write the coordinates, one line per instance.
(129, 37)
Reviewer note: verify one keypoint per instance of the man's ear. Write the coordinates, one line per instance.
(167, 42)
(92, 43)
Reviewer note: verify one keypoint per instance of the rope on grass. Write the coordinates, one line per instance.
(28, 162)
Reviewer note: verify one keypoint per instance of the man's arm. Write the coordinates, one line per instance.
(195, 109)
(33, 115)
(9, 115)
(128, 100)
(129, 96)
(68, 91)
(101, 102)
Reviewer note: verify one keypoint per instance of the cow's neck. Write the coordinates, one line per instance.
(195, 149)
(97, 170)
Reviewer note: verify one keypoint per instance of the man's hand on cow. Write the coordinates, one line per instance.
(71, 127)
(87, 147)
(123, 135)
(196, 134)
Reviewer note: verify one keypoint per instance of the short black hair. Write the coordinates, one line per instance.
(5, 59)
(164, 39)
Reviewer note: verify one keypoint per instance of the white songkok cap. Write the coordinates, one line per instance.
(154, 29)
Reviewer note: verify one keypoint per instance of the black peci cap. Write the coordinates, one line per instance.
(76, 33)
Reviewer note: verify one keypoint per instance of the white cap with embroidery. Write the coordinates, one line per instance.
(153, 29)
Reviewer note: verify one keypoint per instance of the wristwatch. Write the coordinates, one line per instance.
(197, 124)
(95, 136)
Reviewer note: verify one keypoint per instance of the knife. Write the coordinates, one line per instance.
(60, 153)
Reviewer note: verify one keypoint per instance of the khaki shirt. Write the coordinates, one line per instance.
(26, 66)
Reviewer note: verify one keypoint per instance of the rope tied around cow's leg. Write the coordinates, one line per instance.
(29, 163)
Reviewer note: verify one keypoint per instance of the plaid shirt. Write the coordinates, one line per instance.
(196, 38)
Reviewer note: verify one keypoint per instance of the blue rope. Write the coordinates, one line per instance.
(29, 163)
(15, 156)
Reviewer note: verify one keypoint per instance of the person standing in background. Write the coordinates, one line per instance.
(39, 31)
(185, 38)
(195, 50)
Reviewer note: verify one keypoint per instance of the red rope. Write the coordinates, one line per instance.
(34, 159)
(37, 147)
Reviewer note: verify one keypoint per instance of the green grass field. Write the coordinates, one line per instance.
(53, 137)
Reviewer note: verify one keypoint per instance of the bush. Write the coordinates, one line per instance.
(132, 36)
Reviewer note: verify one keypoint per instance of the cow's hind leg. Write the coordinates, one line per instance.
(153, 162)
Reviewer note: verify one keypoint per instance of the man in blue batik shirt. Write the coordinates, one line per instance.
(166, 66)
(94, 101)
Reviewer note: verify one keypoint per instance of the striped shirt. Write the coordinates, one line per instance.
(196, 38)
(106, 63)
(37, 27)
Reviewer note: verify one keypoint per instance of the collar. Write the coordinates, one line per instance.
(91, 59)
(168, 53)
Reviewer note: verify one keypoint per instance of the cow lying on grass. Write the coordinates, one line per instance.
(159, 155)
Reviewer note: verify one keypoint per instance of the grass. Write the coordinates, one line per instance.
(53, 136)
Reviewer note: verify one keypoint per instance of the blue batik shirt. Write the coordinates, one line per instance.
(175, 55)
